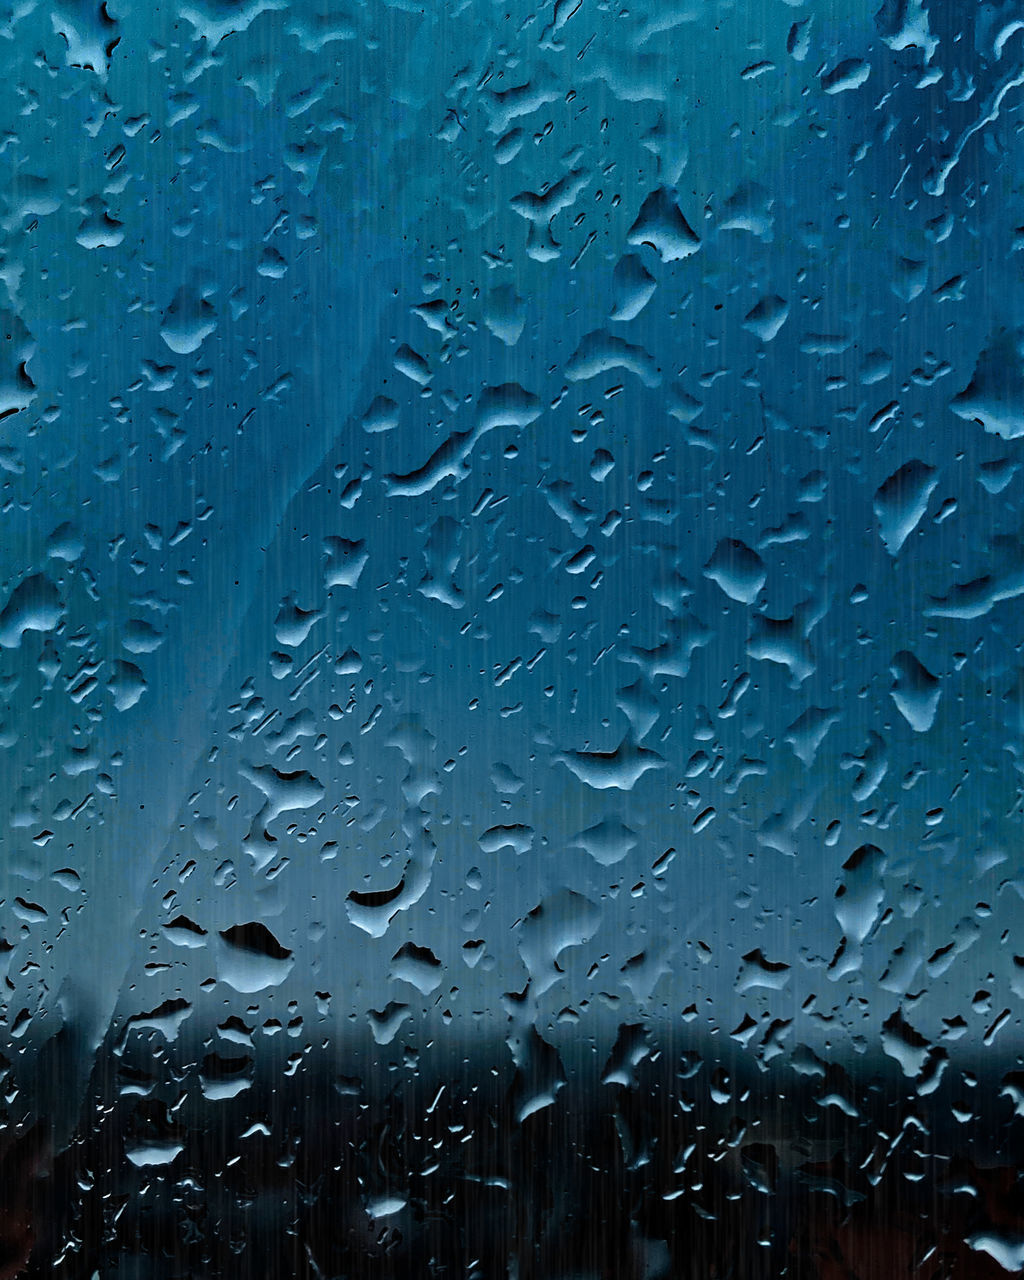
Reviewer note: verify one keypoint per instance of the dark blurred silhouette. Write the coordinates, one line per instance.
(23, 1157)
(675, 1162)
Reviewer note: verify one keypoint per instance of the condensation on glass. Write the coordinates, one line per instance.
(510, 637)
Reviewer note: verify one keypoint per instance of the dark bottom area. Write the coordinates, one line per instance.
(665, 1162)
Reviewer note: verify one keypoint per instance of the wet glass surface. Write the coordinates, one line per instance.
(510, 639)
